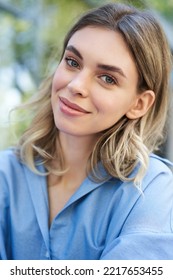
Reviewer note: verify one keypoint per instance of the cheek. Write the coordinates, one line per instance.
(112, 106)
(105, 104)
(59, 80)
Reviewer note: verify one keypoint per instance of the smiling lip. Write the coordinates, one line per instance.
(71, 107)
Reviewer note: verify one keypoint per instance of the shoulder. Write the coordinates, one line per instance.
(152, 210)
(7, 158)
(7, 154)
(158, 167)
(160, 162)
(10, 163)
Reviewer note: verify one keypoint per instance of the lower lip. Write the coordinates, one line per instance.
(70, 111)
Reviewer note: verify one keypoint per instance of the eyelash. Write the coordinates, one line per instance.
(70, 61)
(113, 80)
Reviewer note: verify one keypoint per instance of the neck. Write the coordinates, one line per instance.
(76, 150)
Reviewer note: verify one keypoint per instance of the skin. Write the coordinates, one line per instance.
(105, 95)
(101, 77)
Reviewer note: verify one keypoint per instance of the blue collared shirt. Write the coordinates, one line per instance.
(110, 220)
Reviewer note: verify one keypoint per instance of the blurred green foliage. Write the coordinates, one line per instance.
(165, 7)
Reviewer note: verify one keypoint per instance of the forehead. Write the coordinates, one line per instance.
(94, 36)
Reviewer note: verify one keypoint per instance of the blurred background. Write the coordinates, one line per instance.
(31, 36)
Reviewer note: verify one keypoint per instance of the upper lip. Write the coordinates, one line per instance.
(72, 105)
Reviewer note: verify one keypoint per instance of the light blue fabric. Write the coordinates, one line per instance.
(109, 220)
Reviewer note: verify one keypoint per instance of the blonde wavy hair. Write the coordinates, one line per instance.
(128, 143)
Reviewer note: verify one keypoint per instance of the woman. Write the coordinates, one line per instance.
(83, 182)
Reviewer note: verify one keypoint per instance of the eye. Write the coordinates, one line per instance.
(72, 62)
(108, 79)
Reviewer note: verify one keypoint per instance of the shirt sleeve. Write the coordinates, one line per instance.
(4, 212)
(140, 246)
(148, 229)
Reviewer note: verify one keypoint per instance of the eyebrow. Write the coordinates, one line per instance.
(112, 69)
(101, 66)
(74, 50)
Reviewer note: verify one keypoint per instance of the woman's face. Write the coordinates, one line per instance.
(95, 84)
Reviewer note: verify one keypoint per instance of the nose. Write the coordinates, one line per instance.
(79, 84)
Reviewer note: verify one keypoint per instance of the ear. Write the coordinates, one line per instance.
(141, 105)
